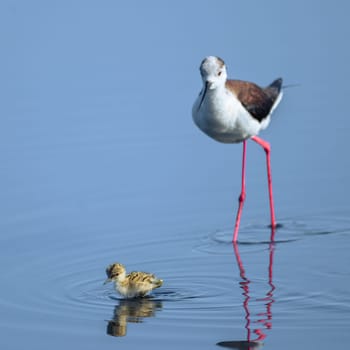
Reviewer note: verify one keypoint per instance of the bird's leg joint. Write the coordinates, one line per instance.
(242, 197)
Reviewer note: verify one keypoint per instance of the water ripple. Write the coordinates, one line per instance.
(68, 283)
(288, 231)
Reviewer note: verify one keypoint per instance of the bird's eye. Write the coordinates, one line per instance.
(219, 73)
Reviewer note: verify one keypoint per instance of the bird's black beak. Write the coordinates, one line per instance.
(203, 95)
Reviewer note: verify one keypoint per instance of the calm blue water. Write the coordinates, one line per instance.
(100, 162)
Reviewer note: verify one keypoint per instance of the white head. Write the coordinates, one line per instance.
(214, 75)
(213, 72)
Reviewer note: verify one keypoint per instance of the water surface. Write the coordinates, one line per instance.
(100, 162)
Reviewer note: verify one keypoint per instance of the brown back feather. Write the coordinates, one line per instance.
(258, 101)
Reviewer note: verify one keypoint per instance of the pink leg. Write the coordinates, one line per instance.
(242, 195)
(266, 146)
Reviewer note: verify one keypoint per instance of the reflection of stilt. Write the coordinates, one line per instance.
(265, 318)
(131, 310)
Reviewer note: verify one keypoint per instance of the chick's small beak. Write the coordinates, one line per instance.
(107, 281)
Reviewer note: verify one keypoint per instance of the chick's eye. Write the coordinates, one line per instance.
(219, 73)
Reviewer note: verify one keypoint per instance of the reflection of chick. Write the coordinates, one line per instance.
(117, 328)
(134, 284)
(133, 310)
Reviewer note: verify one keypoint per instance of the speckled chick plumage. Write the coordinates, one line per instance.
(133, 285)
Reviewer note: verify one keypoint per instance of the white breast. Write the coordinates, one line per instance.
(222, 117)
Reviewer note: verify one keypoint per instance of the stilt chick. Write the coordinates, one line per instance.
(132, 285)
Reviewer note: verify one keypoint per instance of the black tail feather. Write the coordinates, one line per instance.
(274, 88)
(276, 84)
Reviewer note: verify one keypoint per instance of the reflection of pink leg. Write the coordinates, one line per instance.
(266, 146)
(266, 321)
(244, 284)
(270, 293)
(242, 195)
(269, 300)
